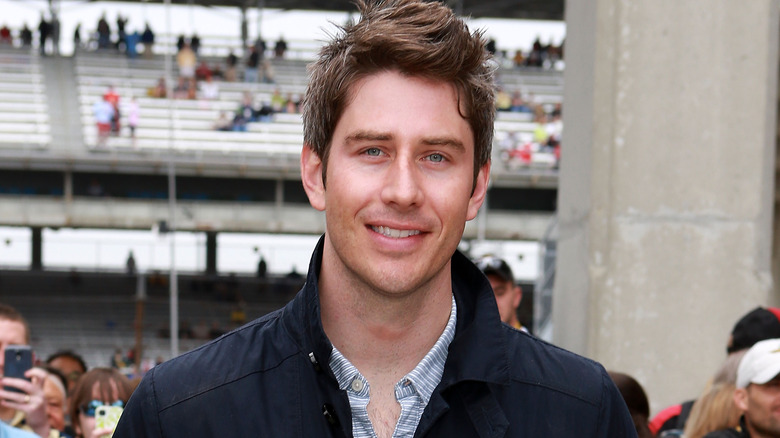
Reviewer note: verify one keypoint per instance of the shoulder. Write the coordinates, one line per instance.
(536, 362)
(12, 432)
(256, 347)
(725, 433)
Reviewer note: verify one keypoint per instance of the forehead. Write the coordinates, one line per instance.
(12, 332)
(66, 364)
(392, 100)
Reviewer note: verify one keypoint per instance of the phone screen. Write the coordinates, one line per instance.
(107, 416)
(18, 359)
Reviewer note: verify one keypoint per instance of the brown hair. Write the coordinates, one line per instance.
(102, 377)
(413, 37)
(636, 401)
(9, 313)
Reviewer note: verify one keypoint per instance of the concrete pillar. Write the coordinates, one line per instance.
(211, 252)
(667, 184)
(37, 249)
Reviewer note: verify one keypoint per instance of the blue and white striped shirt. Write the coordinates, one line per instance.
(413, 391)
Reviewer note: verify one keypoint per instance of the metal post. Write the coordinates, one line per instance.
(173, 282)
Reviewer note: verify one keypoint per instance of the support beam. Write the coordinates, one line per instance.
(211, 252)
(667, 184)
(37, 249)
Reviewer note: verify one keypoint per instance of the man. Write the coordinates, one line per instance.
(508, 293)
(26, 408)
(70, 364)
(758, 393)
(394, 333)
(757, 325)
(54, 394)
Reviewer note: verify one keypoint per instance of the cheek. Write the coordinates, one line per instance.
(87, 425)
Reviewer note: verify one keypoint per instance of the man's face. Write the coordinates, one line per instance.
(70, 367)
(399, 191)
(11, 333)
(507, 297)
(761, 404)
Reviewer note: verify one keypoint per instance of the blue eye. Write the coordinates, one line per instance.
(374, 152)
(436, 158)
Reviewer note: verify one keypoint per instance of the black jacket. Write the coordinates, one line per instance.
(271, 378)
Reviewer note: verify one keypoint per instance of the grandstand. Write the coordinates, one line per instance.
(226, 182)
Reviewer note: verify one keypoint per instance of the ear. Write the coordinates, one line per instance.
(740, 399)
(480, 190)
(311, 176)
(518, 296)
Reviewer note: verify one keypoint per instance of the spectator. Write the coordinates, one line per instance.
(77, 37)
(503, 100)
(130, 264)
(209, 89)
(180, 42)
(268, 71)
(636, 400)
(69, 363)
(758, 393)
(262, 268)
(714, 410)
(230, 67)
(5, 35)
(54, 33)
(508, 293)
(280, 48)
(25, 408)
(121, 42)
(260, 47)
(278, 102)
(131, 44)
(98, 387)
(26, 36)
(55, 396)
(203, 71)
(186, 60)
(147, 39)
(252, 63)
(195, 43)
(223, 123)
(112, 97)
(160, 90)
(104, 114)
(104, 33)
(44, 29)
(491, 46)
(758, 324)
(133, 117)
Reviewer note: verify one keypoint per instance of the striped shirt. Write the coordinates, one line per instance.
(413, 391)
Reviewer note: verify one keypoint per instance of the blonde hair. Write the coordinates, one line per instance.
(714, 410)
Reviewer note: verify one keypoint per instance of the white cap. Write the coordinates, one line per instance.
(760, 364)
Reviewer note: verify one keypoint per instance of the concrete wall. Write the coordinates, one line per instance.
(667, 184)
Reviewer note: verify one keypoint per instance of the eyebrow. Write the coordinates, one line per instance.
(386, 136)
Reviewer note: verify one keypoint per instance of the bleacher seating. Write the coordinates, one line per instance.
(24, 118)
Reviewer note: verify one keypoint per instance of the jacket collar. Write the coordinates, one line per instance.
(477, 353)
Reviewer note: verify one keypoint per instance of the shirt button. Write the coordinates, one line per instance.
(357, 385)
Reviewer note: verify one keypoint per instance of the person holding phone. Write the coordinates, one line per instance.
(22, 402)
(99, 390)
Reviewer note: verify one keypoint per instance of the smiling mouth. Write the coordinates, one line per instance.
(393, 233)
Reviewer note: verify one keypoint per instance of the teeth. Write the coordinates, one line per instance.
(396, 234)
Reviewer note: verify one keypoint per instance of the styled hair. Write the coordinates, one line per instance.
(102, 379)
(10, 314)
(415, 38)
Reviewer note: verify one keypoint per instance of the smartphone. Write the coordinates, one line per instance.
(18, 359)
(107, 416)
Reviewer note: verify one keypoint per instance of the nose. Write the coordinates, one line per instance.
(403, 184)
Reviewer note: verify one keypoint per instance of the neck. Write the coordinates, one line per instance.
(384, 336)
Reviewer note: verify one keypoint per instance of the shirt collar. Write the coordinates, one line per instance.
(424, 377)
